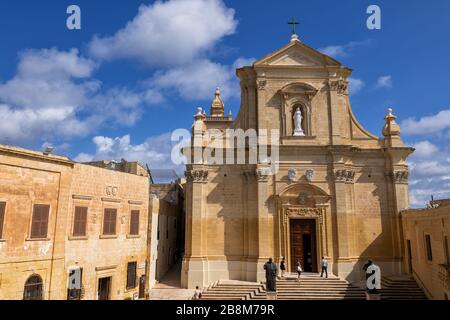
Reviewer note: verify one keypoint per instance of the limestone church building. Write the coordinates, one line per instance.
(338, 191)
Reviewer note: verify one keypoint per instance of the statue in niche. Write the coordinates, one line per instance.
(298, 118)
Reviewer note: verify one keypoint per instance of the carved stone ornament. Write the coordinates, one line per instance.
(262, 174)
(304, 213)
(344, 175)
(262, 84)
(309, 174)
(112, 191)
(197, 176)
(340, 86)
(292, 175)
(400, 176)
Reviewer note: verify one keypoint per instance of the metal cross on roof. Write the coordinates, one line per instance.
(293, 23)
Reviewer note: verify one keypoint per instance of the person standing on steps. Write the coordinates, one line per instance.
(324, 267)
(282, 267)
(271, 276)
(299, 269)
(197, 294)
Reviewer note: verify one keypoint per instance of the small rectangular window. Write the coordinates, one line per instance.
(39, 225)
(428, 247)
(134, 223)
(131, 275)
(109, 222)
(2, 217)
(80, 222)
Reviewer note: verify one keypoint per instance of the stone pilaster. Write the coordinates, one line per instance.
(264, 231)
(195, 270)
(336, 89)
(343, 184)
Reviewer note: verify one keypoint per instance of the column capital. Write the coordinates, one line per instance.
(344, 175)
(197, 176)
(400, 176)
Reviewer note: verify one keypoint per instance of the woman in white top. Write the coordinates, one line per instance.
(299, 269)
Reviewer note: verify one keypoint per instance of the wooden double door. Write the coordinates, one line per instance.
(303, 244)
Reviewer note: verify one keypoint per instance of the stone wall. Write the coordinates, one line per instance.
(432, 275)
(28, 178)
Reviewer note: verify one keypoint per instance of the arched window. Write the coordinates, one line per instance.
(33, 288)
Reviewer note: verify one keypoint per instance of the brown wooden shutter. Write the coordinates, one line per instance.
(134, 222)
(109, 222)
(131, 275)
(2, 217)
(39, 224)
(80, 221)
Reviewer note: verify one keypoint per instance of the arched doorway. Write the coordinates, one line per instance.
(33, 288)
(302, 211)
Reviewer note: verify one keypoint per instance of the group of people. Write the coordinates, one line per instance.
(299, 269)
(271, 271)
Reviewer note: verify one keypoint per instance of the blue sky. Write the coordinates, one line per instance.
(101, 93)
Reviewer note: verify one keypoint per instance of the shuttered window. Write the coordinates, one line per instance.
(134, 223)
(80, 222)
(2, 217)
(39, 225)
(109, 222)
(131, 275)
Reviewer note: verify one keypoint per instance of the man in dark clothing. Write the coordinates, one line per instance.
(271, 274)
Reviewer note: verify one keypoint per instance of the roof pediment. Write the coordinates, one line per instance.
(297, 54)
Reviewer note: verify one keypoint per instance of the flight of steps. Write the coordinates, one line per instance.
(313, 287)
(310, 287)
(401, 288)
(234, 290)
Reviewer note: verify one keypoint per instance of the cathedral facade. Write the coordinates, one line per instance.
(337, 193)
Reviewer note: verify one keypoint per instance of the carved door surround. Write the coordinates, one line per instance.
(293, 96)
(314, 208)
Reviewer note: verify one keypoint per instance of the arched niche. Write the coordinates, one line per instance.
(293, 96)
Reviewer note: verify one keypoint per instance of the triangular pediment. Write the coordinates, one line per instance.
(297, 54)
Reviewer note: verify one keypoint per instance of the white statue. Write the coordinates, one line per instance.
(298, 131)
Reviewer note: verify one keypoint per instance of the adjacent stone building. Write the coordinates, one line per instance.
(427, 253)
(338, 191)
(66, 225)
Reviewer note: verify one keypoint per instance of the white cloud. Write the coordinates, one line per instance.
(425, 149)
(430, 169)
(355, 85)
(384, 82)
(427, 125)
(198, 80)
(168, 33)
(154, 151)
(342, 51)
(53, 95)
(84, 157)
